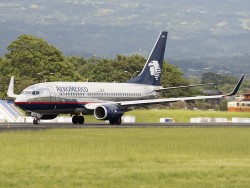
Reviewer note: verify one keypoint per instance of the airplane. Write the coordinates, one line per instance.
(106, 101)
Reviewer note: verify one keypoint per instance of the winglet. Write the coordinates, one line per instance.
(10, 91)
(236, 89)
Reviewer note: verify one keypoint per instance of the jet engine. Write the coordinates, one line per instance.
(108, 112)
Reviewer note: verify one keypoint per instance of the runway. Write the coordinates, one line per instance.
(44, 126)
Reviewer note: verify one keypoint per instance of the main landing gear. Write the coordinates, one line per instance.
(77, 119)
(116, 121)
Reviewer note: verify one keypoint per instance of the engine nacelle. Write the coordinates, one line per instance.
(107, 112)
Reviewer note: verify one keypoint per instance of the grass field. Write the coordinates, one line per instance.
(129, 157)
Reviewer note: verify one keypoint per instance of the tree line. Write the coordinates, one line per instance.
(32, 60)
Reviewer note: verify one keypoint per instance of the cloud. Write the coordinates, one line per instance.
(245, 24)
(34, 6)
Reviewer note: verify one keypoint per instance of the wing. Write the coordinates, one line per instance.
(181, 87)
(166, 100)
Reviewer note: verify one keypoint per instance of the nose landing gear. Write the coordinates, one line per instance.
(37, 118)
(36, 121)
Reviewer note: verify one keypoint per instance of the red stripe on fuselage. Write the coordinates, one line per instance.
(51, 103)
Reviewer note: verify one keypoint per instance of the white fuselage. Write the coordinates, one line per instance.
(71, 97)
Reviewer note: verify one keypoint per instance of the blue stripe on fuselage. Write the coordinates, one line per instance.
(41, 106)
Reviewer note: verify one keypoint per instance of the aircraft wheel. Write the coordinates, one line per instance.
(80, 119)
(75, 119)
(112, 122)
(115, 121)
(118, 121)
(36, 121)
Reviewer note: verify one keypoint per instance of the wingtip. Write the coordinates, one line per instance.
(237, 87)
(10, 91)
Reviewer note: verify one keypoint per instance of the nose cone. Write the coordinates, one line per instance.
(20, 99)
(21, 102)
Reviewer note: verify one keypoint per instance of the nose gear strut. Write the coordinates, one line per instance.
(37, 118)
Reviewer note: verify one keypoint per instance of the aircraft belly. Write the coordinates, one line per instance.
(83, 111)
(59, 111)
(52, 108)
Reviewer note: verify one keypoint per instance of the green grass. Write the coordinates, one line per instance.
(130, 157)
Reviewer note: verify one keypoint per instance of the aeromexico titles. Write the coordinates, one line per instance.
(106, 101)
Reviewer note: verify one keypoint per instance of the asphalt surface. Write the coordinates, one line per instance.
(44, 126)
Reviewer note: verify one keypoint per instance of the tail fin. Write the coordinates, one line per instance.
(151, 73)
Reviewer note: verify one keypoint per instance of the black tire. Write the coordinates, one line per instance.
(112, 122)
(36, 121)
(80, 119)
(75, 119)
(118, 121)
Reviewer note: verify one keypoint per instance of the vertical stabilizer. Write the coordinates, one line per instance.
(151, 73)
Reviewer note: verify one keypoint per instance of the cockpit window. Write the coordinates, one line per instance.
(30, 92)
(26, 92)
(35, 92)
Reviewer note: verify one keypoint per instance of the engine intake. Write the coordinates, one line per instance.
(107, 112)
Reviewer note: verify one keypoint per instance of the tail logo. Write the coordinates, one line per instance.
(155, 69)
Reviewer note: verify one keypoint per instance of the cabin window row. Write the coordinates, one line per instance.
(115, 94)
(72, 94)
(103, 94)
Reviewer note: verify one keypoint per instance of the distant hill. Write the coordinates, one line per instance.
(236, 65)
(196, 28)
